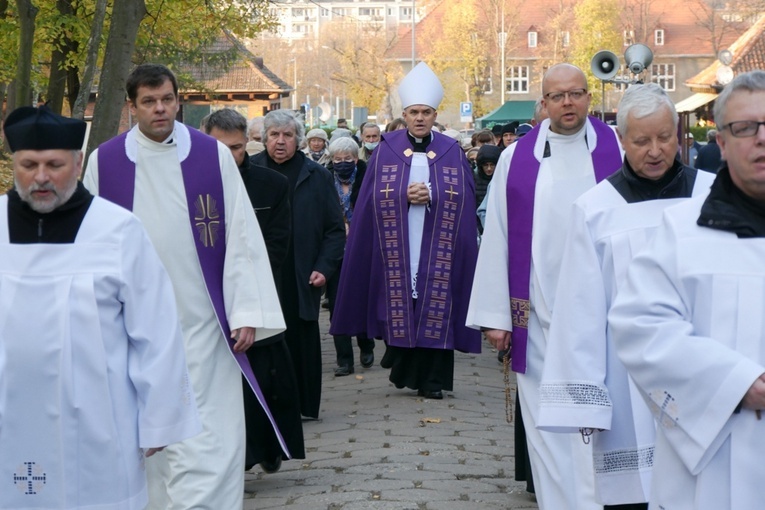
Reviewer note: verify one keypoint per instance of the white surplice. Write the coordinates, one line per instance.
(689, 326)
(92, 367)
(584, 385)
(561, 463)
(206, 471)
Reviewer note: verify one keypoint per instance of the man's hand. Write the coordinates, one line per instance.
(244, 338)
(152, 451)
(317, 279)
(499, 338)
(418, 194)
(755, 396)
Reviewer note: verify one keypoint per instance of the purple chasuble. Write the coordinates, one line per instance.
(375, 292)
(521, 190)
(204, 195)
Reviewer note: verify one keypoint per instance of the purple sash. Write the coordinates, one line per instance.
(204, 195)
(521, 189)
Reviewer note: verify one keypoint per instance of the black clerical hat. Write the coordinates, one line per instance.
(39, 129)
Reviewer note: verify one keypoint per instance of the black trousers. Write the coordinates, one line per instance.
(344, 348)
(343, 344)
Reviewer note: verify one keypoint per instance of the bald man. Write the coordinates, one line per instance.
(536, 181)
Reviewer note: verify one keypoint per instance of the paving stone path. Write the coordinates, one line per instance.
(378, 447)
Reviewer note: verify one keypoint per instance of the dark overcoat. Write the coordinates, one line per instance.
(318, 231)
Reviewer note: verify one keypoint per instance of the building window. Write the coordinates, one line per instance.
(298, 13)
(532, 39)
(324, 13)
(565, 38)
(658, 37)
(390, 11)
(518, 79)
(406, 12)
(629, 37)
(664, 76)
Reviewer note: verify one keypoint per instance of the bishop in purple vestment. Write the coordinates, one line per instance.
(412, 248)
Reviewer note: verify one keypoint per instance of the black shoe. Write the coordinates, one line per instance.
(325, 303)
(343, 371)
(271, 466)
(367, 359)
(435, 395)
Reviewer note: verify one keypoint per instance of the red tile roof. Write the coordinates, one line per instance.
(748, 55)
(680, 20)
(233, 68)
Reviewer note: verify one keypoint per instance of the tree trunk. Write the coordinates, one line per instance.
(72, 86)
(91, 61)
(62, 47)
(126, 18)
(3, 89)
(27, 14)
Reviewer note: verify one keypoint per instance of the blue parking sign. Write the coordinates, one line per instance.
(466, 112)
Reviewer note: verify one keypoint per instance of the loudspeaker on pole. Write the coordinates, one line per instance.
(604, 65)
(638, 57)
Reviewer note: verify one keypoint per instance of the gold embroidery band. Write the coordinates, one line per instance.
(520, 309)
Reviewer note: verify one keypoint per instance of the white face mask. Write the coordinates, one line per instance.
(370, 145)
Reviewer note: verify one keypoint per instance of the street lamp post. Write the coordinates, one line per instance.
(414, 54)
(294, 83)
(502, 42)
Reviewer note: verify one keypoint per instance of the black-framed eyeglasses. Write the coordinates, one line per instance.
(574, 95)
(743, 128)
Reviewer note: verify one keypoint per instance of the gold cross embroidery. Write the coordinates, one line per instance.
(387, 190)
(451, 192)
(206, 217)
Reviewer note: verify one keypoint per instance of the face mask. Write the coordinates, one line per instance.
(344, 169)
(370, 145)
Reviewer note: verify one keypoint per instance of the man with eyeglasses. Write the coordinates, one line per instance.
(585, 388)
(536, 181)
(688, 324)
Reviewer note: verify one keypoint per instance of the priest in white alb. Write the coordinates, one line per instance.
(93, 375)
(186, 188)
(584, 385)
(689, 324)
(536, 181)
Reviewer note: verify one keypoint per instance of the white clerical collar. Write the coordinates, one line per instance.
(574, 137)
(179, 138)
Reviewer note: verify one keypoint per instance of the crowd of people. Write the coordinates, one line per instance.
(163, 313)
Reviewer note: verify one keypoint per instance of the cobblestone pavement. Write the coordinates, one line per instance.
(378, 447)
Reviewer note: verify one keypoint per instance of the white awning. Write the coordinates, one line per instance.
(690, 104)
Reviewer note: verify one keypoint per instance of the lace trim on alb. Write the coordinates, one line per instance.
(574, 393)
(614, 461)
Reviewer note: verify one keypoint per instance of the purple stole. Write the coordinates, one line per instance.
(428, 323)
(204, 195)
(521, 189)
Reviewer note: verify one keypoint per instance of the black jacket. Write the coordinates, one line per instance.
(709, 158)
(269, 194)
(361, 169)
(318, 231)
(60, 226)
(677, 183)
